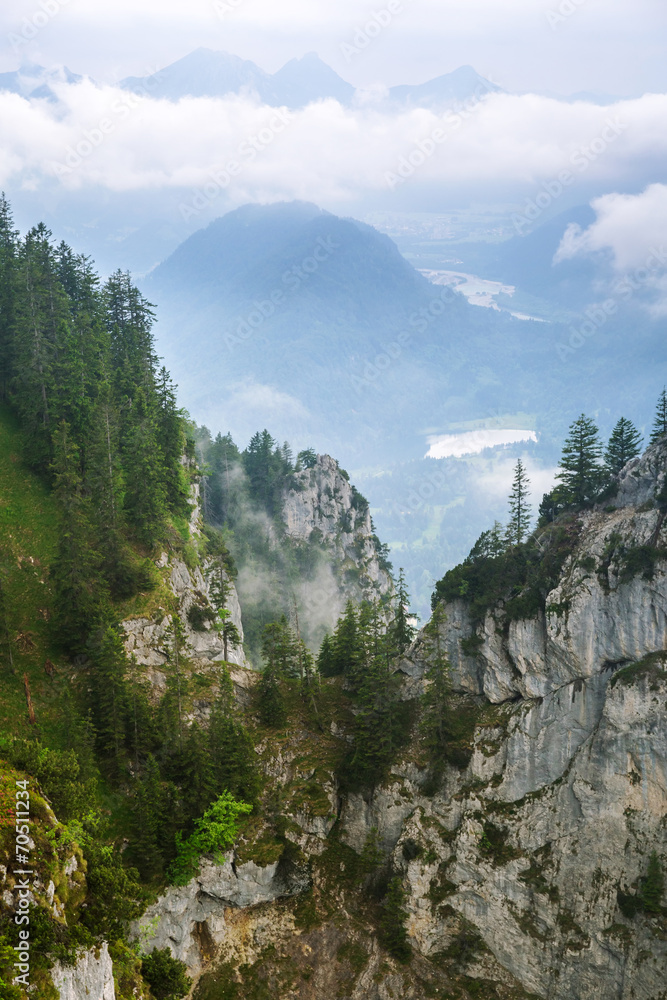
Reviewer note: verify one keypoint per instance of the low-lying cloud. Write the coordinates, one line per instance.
(100, 136)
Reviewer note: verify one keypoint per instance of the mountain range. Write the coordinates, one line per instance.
(208, 73)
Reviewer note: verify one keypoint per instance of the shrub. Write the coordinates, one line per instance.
(166, 976)
(214, 833)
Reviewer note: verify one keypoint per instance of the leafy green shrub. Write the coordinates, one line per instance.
(215, 831)
(166, 976)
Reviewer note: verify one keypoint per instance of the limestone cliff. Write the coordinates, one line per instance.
(523, 866)
(322, 507)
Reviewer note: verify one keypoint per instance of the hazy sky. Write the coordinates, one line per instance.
(614, 46)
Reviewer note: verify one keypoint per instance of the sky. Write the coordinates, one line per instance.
(564, 46)
(165, 167)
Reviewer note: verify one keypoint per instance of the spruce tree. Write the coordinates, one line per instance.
(435, 700)
(8, 295)
(660, 421)
(625, 443)
(402, 629)
(176, 637)
(581, 477)
(653, 885)
(145, 490)
(109, 701)
(394, 935)
(78, 588)
(517, 528)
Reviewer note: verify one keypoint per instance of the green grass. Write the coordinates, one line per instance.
(28, 543)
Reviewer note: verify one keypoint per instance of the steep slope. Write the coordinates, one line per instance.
(524, 856)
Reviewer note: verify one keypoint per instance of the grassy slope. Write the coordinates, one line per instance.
(28, 542)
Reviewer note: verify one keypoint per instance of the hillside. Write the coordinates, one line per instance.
(528, 854)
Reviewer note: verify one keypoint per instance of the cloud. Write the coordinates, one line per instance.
(630, 226)
(496, 483)
(472, 442)
(104, 137)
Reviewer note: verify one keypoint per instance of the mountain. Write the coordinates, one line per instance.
(207, 73)
(269, 291)
(202, 73)
(451, 88)
(35, 81)
(308, 79)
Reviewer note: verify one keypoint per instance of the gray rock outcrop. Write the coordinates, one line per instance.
(91, 978)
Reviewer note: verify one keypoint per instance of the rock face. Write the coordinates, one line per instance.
(90, 979)
(529, 861)
(193, 920)
(543, 842)
(146, 637)
(323, 507)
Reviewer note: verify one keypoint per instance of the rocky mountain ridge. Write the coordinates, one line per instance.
(522, 867)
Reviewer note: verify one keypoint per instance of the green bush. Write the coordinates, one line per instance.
(166, 976)
(214, 833)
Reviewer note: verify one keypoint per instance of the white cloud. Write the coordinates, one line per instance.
(102, 136)
(496, 482)
(631, 226)
(472, 442)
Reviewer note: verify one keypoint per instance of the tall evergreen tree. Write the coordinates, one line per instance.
(402, 629)
(582, 476)
(517, 528)
(109, 699)
(145, 488)
(8, 295)
(625, 443)
(78, 587)
(436, 698)
(660, 421)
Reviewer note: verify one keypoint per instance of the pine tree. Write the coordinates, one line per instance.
(581, 477)
(660, 421)
(8, 295)
(227, 631)
(109, 702)
(78, 588)
(149, 816)
(145, 490)
(625, 443)
(176, 637)
(653, 885)
(402, 629)
(436, 698)
(394, 935)
(519, 506)
(325, 658)
(231, 750)
(276, 650)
